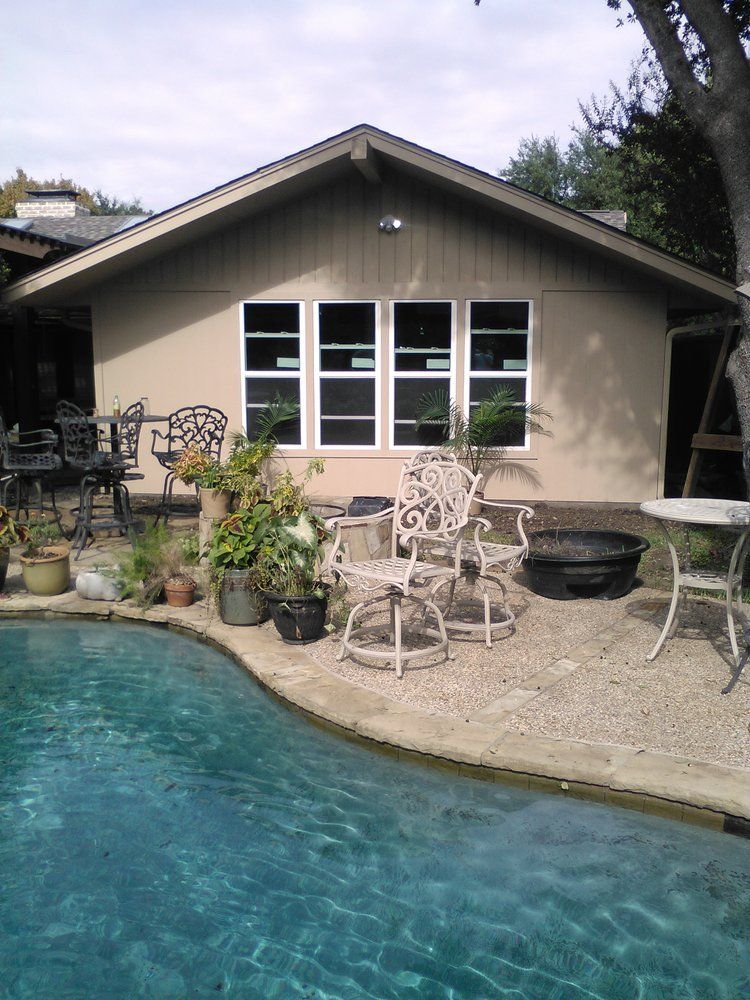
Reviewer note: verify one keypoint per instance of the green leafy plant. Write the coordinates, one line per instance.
(11, 532)
(237, 541)
(41, 533)
(291, 553)
(156, 559)
(195, 467)
(481, 438)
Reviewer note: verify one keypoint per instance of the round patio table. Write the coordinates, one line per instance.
(729, 515)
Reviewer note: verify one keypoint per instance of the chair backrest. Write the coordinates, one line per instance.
(79, 443)
(130, 433)
(203, 426)
(433, 499)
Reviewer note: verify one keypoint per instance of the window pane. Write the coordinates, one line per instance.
(287, 433)
(348, 432)
(272, 317)
(514, 432)
(408, 392)
(263, 390)
(347, 397)
(422, 336)
(405, 435)
(268, 353)
(347, 336)
(481, 388)
(499, 341)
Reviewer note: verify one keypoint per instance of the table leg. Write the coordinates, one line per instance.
(672, 615)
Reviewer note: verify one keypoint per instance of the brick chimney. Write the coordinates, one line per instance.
(51, 204)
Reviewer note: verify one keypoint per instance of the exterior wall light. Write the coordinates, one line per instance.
(390, 224)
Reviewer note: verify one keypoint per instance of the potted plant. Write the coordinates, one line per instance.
(155, 566)
(11, 533)
(233, 555)
(290, 560)
(45, 563)
(481, 439)
(195, 468)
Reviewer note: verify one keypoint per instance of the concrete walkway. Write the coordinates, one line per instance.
(483, 745)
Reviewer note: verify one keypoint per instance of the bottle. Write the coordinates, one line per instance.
(146, 405)
(116, 406)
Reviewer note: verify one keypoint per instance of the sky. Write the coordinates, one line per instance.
(165, 99)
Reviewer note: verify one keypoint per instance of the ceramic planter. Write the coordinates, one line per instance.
(475, 507)
(179, 595)
(215, 503)
(239, 603)
(604, 570)
(298, 619)
(4, 560)
(50, 576)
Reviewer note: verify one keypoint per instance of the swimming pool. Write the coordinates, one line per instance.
(168, 830)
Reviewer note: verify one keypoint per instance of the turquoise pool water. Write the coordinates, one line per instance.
(167, 830)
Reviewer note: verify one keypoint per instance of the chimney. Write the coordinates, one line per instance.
(615, 217)
(50, 204)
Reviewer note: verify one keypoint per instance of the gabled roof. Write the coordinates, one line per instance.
(366, 148)
(80, 230)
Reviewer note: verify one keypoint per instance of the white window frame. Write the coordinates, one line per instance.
(393, 375)
(363, 374)
(509, 374)
(300, 374)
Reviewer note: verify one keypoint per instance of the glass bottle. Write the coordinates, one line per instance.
(116, 406)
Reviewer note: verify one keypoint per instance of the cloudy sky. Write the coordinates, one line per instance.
(163, 99)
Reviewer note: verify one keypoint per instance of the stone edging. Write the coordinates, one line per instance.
(654, 783)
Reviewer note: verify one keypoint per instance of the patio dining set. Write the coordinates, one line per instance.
(105, 461)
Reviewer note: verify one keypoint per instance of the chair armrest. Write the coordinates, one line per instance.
(343, 521)
(157, 433)
(524, 514)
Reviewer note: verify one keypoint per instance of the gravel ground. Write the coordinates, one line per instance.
(545, 631)
(673, 704)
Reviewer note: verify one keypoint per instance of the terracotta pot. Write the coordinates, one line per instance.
(215, 503)
(4, 560)
(47, 577)
(179, 595)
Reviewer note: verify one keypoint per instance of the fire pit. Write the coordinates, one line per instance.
(568, 563)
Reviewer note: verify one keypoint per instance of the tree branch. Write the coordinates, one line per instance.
(721, 39)
(662, 35)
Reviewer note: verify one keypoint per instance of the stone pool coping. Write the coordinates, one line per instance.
(654, 783)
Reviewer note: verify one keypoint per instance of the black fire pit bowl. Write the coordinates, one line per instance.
(605, 572)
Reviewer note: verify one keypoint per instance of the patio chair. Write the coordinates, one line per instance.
(431, 505)
(203, 426)
(482, 561)
(106, 465)
(26, 461)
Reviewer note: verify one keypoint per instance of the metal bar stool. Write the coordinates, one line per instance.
(201, 426)
(26, 461)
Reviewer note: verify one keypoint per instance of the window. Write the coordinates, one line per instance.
(273, 352)
(346, 348)
(498, 351)
(422, 362)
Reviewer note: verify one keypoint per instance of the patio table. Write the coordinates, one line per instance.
(729, 515)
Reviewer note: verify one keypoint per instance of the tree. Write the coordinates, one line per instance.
(584, 176)
(700, 46)
(14, 189)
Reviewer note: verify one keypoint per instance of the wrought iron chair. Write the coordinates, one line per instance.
(203, 426)
(106, 465)
(26, 461)
(431, 506)
(482, 561)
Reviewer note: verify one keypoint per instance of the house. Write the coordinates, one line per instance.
(47, 352)
(365, 271)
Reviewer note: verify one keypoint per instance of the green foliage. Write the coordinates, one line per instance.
(290, 555)
(195, 466)
(11, 532)
(156, 559)
(190, 548)
(40, 534)
(14, 189)
(481, 438)
(242, 472)
(237, 541)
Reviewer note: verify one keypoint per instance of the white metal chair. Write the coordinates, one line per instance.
(481, 561)
(431, 506)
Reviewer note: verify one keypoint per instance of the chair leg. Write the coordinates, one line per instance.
(396, 617)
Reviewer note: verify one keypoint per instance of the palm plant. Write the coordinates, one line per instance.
(482, 437)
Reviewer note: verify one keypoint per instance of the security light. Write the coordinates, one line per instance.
(390, 224)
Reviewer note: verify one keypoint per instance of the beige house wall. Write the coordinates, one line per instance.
(170, 329)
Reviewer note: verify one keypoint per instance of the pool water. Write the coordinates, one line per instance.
(168, 830)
